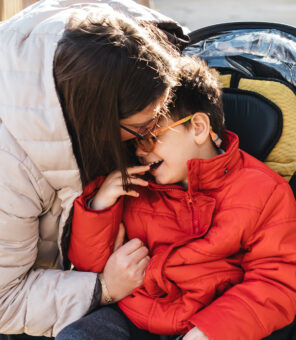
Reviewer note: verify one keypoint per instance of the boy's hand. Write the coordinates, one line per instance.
(195, 334)
(112, 187)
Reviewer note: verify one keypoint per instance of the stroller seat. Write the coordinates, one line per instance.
(257, 65)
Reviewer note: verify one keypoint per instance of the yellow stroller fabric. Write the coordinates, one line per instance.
(282, 158)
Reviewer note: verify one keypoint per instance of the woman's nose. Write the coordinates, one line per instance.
(140, 152)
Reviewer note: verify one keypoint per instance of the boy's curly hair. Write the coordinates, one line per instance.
(198, 91)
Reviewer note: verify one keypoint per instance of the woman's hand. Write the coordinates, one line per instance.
(125, 268)
(195, 334)
(112, 187)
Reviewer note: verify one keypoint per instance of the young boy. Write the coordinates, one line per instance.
(220, 226)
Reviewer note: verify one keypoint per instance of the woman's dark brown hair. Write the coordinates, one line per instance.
(105, 70)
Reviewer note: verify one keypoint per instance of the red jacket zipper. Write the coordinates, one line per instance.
(194, 215)
(189, 203)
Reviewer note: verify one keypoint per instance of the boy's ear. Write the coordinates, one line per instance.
(200, 123)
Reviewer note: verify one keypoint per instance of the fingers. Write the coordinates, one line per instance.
(131, 246)
(138, 181)
(137, 170)
(119, 238)
(140, 270)
(115, 179)
(139, 254)
(134, 181)
(132, 193)
(143, 264)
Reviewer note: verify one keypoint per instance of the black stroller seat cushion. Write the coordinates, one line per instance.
(256, 120)
(262, 113)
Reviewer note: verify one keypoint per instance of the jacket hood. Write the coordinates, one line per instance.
(29, 106)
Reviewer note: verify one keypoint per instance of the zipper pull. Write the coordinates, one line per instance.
(189, 200)
(193, 213)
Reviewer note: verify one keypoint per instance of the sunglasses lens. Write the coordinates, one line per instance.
(150, 128)
(146, 144)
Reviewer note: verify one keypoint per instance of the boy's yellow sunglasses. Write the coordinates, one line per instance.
(147, 141)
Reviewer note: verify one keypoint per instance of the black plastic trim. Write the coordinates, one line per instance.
(292, 183)
(209, 31)
(279, 129)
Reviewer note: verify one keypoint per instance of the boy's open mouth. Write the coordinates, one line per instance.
(154, 165)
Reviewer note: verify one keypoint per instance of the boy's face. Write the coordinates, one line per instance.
(172, 150)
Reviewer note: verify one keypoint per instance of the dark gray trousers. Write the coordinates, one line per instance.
(106, 323)
(109, 323)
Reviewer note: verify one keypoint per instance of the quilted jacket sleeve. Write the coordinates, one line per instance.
(266, 299)
(93, 232)
(34, 301)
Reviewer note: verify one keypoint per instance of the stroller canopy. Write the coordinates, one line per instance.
(261, 49)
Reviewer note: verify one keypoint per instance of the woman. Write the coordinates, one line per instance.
(51, 147)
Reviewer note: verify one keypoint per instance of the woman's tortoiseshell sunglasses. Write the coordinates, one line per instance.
(147, 140)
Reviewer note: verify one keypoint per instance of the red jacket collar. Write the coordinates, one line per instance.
(210, 174)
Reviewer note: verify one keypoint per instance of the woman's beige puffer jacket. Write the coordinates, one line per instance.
(39, 177)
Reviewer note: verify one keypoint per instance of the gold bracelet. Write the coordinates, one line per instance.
(108, 299)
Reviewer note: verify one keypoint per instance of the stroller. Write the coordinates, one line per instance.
(257, 65)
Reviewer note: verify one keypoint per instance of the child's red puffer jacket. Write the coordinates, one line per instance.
(223, 251)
